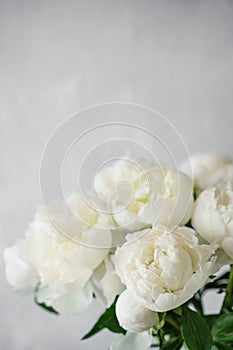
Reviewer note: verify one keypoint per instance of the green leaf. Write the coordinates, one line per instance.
(107, 320)
(221, 346)
(195, 331)
(177, 311)
(162, 316)
(173, 344)
(43, 305)
(46, 307)
(222, 329)
(172, 324)
(197, 303)
(210, 320)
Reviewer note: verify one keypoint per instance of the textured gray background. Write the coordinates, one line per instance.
(59, 56)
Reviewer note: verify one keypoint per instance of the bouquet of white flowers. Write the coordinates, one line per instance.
(148, 242)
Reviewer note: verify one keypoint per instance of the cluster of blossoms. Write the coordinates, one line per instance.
(151, 246)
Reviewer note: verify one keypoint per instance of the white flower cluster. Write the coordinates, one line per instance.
(213, 210)
(65, 272)
(159, 266)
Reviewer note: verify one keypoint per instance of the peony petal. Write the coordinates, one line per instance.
(169, 301)
(127, 219)
(20, 270)
(98, 238)
(201, 166)
(222, 258)
(132, 315)
(206, 219)
(227, 245)
(107, 284)
(135, 341)
(75, 302)
(167, 211)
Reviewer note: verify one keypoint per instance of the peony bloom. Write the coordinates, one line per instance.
(201, 167)
(163, 269)
(213, 216)
(132, 315)
(59, 254)
(140, 195)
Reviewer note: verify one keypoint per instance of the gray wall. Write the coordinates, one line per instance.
(60, 56)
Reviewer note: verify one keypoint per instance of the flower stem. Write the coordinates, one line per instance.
(160, 336)
(173, 324)
(228, 300)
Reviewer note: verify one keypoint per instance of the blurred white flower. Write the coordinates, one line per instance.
(61, 253)
(132, 315)
(163, 269)
(135, 341)
(213, 216)
(107, 284)
(20, 268)
(140, 195)
(107, 182)
(221, 175)
(201, 166)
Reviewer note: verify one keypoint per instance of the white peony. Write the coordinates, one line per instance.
(132, 315)
(140, 195)
(163, 269)
(201, 167)
(59, 253)
(213, 216)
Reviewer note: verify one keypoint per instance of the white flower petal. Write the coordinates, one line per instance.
(227, 245)
(106, 282)
(169, 301)
(213, 215)
(74, 302)
(167, 211)
(201, 167)
(222, 259)
(21, 272)
(127, 219)
(98, 238)
(132, 315)
(222, 175)
(135, 341)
